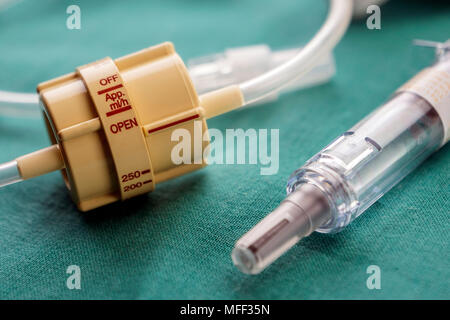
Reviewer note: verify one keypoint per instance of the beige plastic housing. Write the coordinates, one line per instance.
(112, 154)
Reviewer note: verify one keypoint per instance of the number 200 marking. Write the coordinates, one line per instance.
(132, 186)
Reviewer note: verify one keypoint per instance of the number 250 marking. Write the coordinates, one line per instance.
(131, 176)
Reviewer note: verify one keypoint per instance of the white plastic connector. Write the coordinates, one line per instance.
(237, 65)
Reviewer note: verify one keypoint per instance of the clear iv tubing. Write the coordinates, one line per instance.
(9, 173)
(19, 104)
(327, 37)
(339, 17)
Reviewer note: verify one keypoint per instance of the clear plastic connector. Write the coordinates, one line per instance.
(238, 65)
(344, 179)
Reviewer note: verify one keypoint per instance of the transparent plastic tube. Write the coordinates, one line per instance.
(9, 173)
(19, 104)
(327, 37)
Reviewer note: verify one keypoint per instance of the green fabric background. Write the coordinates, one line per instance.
(176, 242)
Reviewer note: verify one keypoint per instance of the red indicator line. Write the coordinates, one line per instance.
(145, 171)
(148, 181)
(173, 123)
(109, 89)
(111, 113)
